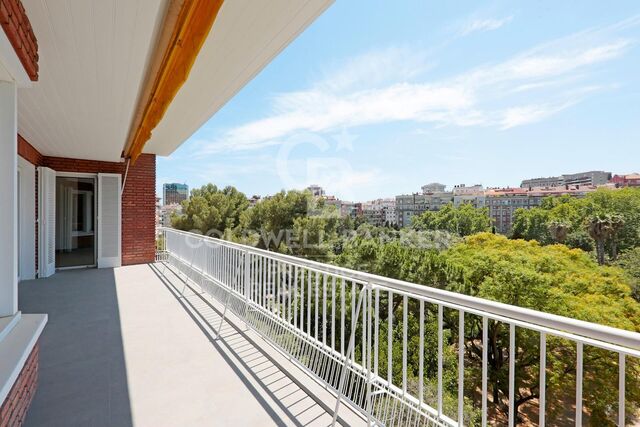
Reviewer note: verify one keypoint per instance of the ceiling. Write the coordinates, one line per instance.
(93, 59)
(245, 37)
(94, 56)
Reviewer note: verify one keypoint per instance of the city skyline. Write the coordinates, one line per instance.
(420, 97)
(449, 187)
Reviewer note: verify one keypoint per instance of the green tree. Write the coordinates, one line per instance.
(557, 280)
(559, 230)
(629, 262)
(603, 228)
(271, 220)
(463, 220)
(531, 224)
(211, 210)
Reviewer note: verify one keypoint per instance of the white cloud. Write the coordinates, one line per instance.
(520, 90)
(522, 115)
(482, 25)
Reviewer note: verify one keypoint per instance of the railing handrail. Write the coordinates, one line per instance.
(582, 328)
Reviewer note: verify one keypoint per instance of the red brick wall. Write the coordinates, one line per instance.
(138, 201)
(138, 198)
(27, 152)
(14, 408)
(16, 25)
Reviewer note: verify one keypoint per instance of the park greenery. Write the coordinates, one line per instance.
(572, 257)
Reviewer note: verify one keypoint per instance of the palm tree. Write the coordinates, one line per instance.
(559, 230)
(617, 222)
(603, 227)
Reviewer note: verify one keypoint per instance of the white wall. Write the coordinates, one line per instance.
(27, 220)
(8, 190)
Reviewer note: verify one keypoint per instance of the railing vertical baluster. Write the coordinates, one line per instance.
(353, 309)
(461, 367)
(247, 276)
(485, 355)
(368, 407)
(376, 330)
(263, 284)
(579, 369)
(295, 301)
(364, 338)
(333, 312)
(343, 285)
(440, 360)
(278, 288)
(324, 309)
(316, 312)
(405, 315)
(270, 288)
(290, 293)
(512, 373)
(421, 356)
(543, 379)
(302, 305)
(390, 339)
(309, 302)
(621, 388)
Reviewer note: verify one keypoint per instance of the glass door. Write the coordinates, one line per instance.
(75, 222)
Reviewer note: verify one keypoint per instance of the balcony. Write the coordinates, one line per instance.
(220, 331)
(136, 346)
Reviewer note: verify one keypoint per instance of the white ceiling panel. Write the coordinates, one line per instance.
(93, 60)
(245, 37)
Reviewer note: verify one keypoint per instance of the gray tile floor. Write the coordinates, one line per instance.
(134, 346)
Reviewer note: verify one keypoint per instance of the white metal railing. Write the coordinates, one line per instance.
(351, 331)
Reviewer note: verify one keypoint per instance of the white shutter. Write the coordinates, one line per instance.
(27, 219)
(109, 216)
(47, 222)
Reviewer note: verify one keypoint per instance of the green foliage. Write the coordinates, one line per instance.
(463, 220)
(543, 267)
(629, 261)
(552, 278)
(211, 210)
(607, 220)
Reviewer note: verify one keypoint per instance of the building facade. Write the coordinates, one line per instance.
(433, 198)
(167, 211)
(380, 212)
(316, 190)
(174, 193)
(629, 180)
(473, 195)
(504, 202)
(590, 178)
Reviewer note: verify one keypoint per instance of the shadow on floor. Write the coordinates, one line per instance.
(301, 408)
(82, 366)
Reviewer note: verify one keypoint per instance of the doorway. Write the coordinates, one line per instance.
(75, 221)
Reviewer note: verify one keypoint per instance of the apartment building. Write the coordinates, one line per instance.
(380, 212)
(473, 195)
(316, 190)
(503, 202)
(590, 178)
(174, 193)
(629, 180)
(433, 198)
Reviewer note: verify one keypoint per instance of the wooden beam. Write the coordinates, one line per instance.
(191, 29)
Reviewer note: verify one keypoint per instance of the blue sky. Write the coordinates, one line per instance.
(377, 98)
